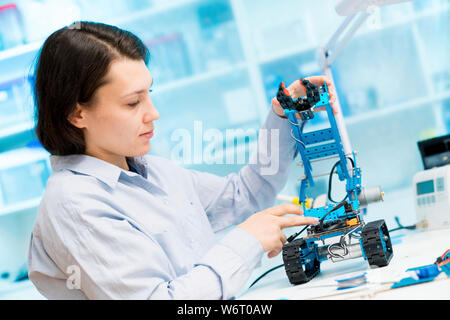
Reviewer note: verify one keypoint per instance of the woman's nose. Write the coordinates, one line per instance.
(151, 114)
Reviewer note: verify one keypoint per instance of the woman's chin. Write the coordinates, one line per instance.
(143, 151)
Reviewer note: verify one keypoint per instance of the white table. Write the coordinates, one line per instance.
(411, 249)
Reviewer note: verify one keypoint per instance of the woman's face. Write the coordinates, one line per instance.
(119, 120)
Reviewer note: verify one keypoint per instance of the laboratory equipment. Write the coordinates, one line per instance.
(435, 152)
(13, 101)
(342, 219)
(11, 28)
(23, 176)
(432, 197)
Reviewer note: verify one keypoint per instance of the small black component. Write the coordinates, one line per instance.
(302, 105)
(348, 207)
(300, 262)
(377, 244)
(327, 226)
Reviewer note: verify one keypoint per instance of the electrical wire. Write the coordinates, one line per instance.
(330, 179)
(401, 227)
(334, 209)
(302, 126)
(295, 235)
(264, 274)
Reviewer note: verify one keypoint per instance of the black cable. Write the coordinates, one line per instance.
(401, 227)
(330, 180)
(265, 273)
(343, 203)
(295, 235)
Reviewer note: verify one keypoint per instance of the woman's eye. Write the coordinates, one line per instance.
(133, 104)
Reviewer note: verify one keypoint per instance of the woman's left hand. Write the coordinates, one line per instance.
(296, 90)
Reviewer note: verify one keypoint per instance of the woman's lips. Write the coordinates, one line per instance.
(147, 135)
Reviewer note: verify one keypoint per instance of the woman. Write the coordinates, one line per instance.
(115, 223)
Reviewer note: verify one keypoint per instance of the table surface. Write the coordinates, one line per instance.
(411, 249)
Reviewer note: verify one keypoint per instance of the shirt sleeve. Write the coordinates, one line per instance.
(231, 199)
(116, 259)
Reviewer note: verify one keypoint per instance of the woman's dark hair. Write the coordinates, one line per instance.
(71, 66)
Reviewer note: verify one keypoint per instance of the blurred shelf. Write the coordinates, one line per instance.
(19, 128)
(198, 78)
(405, 20)
(363, 32)
(35, 46)
(31, 48)
(21, 50)
(153, 10)
(382, 112)
(287, 53)
(24, 205)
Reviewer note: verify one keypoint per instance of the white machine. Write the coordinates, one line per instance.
(432, 197)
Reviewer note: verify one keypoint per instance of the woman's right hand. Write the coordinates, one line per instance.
(267, 225)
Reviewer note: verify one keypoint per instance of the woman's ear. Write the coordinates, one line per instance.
(78, 117)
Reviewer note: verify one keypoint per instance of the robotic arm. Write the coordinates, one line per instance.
(302, 257)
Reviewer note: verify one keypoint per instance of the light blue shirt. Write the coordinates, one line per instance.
(105, 233)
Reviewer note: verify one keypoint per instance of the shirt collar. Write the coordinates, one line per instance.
(100, 169)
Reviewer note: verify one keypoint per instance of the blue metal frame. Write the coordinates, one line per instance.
(320, 144)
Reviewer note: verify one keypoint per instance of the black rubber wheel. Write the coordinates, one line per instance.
(294, 263)
(373, 235)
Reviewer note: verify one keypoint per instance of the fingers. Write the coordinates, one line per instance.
(320, 109)
(320, 81)
(283, 238)
(274, 252)
(275, 102)
(287, 222)
(283, 209)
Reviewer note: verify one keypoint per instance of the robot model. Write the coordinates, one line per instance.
(342, 220)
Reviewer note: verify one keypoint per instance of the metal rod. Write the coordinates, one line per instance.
(362, 17)
(338, 32)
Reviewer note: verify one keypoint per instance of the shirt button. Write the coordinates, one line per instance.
(166, 201)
